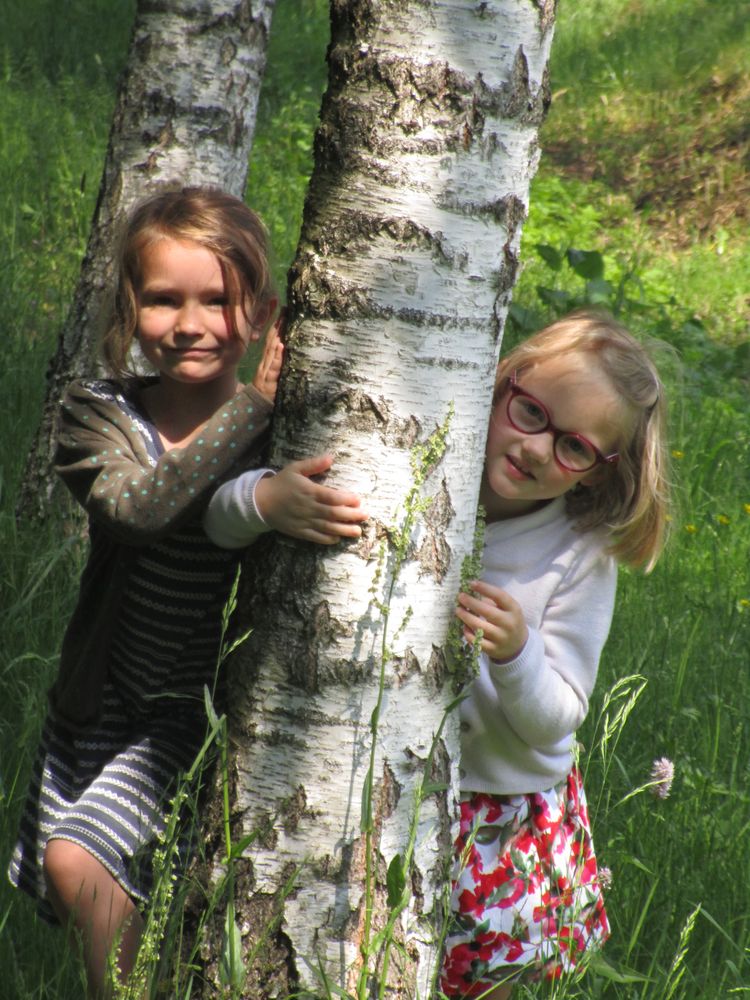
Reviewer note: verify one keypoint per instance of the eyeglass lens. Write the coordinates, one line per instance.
(571, 451)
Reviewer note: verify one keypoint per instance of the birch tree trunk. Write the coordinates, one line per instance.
(185, 112)
(398, 295)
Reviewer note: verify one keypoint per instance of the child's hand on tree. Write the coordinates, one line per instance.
(498, 615)
(291, 502)
(266, 378)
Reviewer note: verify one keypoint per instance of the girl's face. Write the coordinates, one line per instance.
(185, 317)
(520, 469)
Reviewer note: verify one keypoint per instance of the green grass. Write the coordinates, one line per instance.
(645, 163)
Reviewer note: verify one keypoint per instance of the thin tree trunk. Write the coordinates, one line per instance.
(408, 255)
(185, 112)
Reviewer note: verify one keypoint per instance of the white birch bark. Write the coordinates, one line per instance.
(185, 112)
(409, 251)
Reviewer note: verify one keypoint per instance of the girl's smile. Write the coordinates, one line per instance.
(521, 472)
(516, 469)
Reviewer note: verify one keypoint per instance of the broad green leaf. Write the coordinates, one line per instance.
(396, 881)
(551, 257)
(586, 263)
(231, 967)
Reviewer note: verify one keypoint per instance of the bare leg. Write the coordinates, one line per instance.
(87, 898)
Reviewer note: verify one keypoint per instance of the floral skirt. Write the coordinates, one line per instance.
(527, 896)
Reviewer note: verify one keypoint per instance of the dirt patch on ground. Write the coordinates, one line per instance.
(683, 162)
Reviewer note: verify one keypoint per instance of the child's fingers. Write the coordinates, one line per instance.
(482, 587)
(314, 466)
(326, 497)
(327, 533)
(499, 597)
(473, 619)
(344, 521)
(344, 513)
(486, 610)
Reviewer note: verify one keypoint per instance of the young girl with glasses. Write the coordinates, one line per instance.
(143, 455)
(574, 481)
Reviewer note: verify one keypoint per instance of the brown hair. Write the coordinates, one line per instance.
(631, 498)
(213, 219)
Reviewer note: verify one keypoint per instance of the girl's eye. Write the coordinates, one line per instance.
(529, 412)
(219, 302)
(576, 448)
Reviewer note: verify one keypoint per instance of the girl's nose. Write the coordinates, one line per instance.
(188, 320)
(538, 448)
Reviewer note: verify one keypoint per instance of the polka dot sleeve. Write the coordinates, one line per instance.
(102, 458)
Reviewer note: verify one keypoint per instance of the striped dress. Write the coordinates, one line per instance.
(109, 788)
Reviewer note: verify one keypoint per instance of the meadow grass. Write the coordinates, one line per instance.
(637, 85)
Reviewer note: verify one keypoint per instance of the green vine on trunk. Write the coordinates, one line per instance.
(376, 948)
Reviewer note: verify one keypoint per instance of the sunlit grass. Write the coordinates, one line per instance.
(637, 76)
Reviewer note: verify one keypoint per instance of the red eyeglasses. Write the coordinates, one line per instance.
(572, 451)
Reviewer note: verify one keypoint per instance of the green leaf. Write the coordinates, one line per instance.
(456, 702)
(558, 298)
(239, 847)
(551, 257)
(599, 967)
(231, 968)
(213, 718)
(396, 881)
(599, 291)
(586, 263)
(365, 822)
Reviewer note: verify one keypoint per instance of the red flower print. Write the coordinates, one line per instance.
(513, 947)
(472, 902)
(524, 841)
(588, 871)
(572, 942)
(490, 804)
(458, 962)
(528, 898)
(458, 977)
(540, 814)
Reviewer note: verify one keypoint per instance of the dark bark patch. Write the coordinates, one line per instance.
(406, 666)
(293, 809)
(434, 553)
(368, 415)
(546, 10)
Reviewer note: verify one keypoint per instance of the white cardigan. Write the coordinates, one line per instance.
(519, 717)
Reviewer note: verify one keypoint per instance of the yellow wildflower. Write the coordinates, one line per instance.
(743, 603)
(676, 453)
(691, 529)
(723, 519)
(747, 508)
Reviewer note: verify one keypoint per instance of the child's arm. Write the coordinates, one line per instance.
(289, 502)
(542, 686)
(101, 458)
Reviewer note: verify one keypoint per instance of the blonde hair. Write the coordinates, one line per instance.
(632, 497)
(213, 219)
